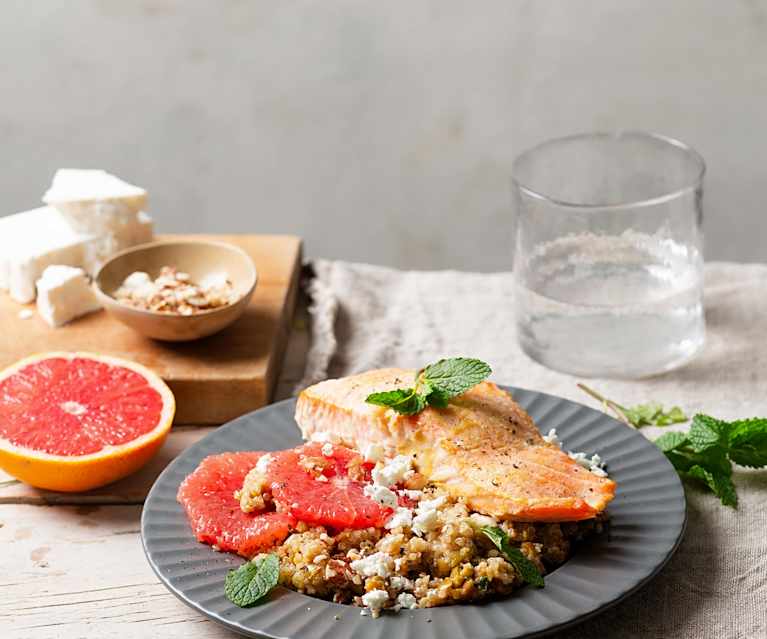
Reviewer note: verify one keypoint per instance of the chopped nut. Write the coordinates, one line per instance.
(174, 292)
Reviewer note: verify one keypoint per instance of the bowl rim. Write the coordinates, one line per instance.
(159, 314)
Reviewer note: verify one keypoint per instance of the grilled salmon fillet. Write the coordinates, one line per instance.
(483, 447)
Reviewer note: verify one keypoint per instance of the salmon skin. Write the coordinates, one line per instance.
(483, 447)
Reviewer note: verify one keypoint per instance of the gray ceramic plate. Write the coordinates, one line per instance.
(647, 521)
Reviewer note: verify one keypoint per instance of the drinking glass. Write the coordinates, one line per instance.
(608, 259)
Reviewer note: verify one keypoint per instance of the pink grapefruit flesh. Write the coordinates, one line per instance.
(337, 501)
(75, 421)
(214, 514)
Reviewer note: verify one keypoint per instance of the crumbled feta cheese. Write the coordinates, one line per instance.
(479, 520)
(552, 438)
(372, 565)
(401, 583)
(594, 464)
(393, 471)
(321, 478)
(322, 436)
(401, 517)
(415, 495)
(327, 449)
(375, 600)
(381, 494)
(26, 314)
(425, 521)
(430, 504)
(263, 463)
(406, 600)
(426, 515)
(579, 458)
(373, 452)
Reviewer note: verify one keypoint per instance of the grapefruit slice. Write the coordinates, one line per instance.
(325, 489)
(75, 421)
(214, 514)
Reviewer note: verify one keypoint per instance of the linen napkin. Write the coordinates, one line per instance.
(366, 316)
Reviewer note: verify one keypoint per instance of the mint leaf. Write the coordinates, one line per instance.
(252, 581)
(434, 386)
(748, 442)
(650, 414)
(643, 414)
(674, 416)
(671, 441)
(526, 568)
(405, 401)
(679, 461)
(721, 485)
(437, 398)
(456, 375)
(707, 432)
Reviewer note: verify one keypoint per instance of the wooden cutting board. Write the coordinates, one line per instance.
(214, 379)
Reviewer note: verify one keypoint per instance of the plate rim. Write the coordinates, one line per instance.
(255, 632)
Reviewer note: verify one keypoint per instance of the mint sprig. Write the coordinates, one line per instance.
(434, 385)
(706, 453)
(251, 582)
(526, 568)
(649, 414)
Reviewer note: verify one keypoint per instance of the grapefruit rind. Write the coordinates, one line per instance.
(77, 473)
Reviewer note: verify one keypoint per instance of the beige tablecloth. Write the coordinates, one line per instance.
(716, 585)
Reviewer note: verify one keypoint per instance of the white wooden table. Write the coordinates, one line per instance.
(72, 566)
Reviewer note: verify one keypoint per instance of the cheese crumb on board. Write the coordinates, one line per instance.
(26, 314)
(63, 294)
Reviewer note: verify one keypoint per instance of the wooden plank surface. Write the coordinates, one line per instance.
(214, 379)
(79, 571)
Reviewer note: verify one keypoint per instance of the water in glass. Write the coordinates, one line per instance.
(610, 289)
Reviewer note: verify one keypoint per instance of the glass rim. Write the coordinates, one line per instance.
(658, 199)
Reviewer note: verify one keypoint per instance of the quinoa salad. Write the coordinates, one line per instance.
(404, 565)
(430, 551)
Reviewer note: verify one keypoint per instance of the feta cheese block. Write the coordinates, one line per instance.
(94, 201)
(143, 232)
(31, 241)
(63, 294)
(88, 194)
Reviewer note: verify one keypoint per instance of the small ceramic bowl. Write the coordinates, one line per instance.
(199, 259)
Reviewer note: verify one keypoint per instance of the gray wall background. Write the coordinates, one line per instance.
(379, 131)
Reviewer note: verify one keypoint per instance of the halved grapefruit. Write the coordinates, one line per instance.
(214, 514)
(75, 421)
(329, 494)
